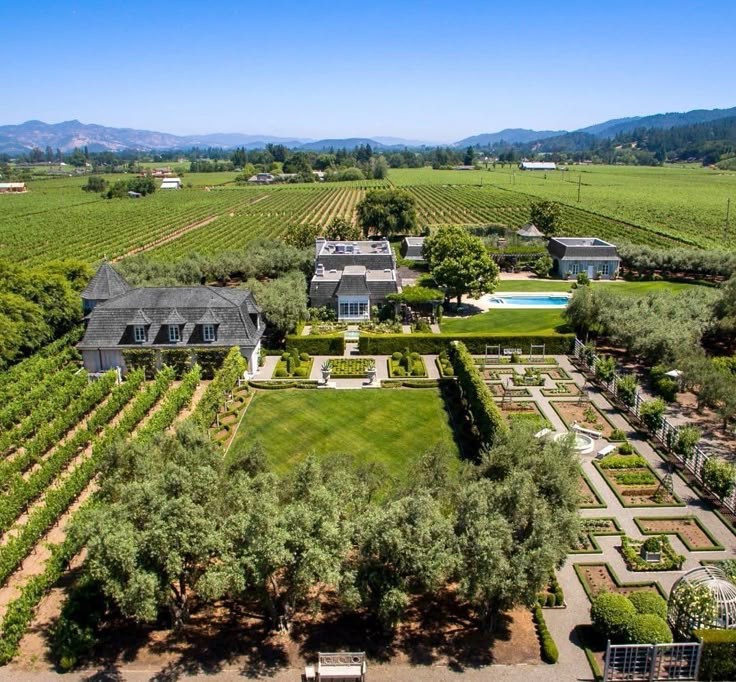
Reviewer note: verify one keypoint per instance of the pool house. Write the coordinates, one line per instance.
(593, 256)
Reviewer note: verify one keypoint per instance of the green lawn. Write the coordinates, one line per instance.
(392, 427)
(619, 286)
(507, 322)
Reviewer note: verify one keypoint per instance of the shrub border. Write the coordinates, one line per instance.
(601, 503)
(592, 534)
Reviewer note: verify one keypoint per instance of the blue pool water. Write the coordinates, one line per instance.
(529, 300)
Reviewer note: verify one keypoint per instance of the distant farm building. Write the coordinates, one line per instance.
(12, 187)
(171, 183)
(463, 168)
(412, 248)
(529, 231)
(538, 165)
(261, 179)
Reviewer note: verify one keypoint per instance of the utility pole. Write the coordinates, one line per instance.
(580, 179)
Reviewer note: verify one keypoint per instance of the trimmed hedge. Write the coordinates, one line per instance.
(487, 417)
(550, 654)
(329, 344)
(278, 385)
(718, 657)
(649, 602)
(611, 614)
(387, 344)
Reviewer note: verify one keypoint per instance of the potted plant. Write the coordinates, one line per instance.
(371, 371)
(326, 371)
(651, 550)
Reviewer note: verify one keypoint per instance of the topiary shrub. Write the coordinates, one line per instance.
(551, 600)
(285, 356)
(280, 373)
(646, 628)
(396, 356)
(304, 357)
(611, 614)
(649, 603)
(300, 372)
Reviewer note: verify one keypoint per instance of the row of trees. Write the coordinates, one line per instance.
(37, 305)
(195, 527)
(646, 260)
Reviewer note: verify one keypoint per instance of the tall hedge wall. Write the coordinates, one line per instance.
(224, 381)
(386, 344)
(718, 658)
(328, 344)
(487, 417)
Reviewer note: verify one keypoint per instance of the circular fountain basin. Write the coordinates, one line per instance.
(582, 444)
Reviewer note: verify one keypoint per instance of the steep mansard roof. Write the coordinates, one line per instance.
(110, 324)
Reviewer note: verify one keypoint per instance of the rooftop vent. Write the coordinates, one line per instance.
(320, 270)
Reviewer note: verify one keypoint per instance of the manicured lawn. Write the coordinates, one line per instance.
(392, 427)
(508, 322)
(639, 288)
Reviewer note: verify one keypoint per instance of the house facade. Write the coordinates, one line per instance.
(120, 318)
(352, 277)
(593, 256)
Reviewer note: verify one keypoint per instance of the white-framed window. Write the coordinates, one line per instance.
(174, 333)
(354, 309)
(139, 333)
(208, 332)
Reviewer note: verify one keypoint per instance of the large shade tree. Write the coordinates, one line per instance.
(460, 263)
(388, 212)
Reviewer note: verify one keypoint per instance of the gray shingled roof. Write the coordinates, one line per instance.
(582, 248)
(106, 283)
(352, 284)
(109, 324)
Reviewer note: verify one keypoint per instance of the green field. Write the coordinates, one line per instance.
(392, 427)
(661, 207)
(508, 322)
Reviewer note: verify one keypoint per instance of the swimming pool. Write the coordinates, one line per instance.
(527, 300)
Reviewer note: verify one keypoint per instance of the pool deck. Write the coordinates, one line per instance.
(485, 302)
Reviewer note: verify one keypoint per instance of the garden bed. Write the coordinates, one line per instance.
(632, 552)
(303, 371)
(589, 529)
(406, 364)
(589, 497)
(600, 577)
(689, 529)
(586, 415)
(350, 368)
(498, 391)
(634, 482)
(562, 388)
(524, 412)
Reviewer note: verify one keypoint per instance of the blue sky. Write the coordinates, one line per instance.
(421, 70)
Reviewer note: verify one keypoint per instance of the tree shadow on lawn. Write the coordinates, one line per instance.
(435, 629)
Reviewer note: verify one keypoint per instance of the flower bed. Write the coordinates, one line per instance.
(589, 528)
(634, 482)
(351, 368)
(322, 328)
(689, 529)
(600, 577)
(632, 552)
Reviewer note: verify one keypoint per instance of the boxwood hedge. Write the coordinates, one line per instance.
(386, 344)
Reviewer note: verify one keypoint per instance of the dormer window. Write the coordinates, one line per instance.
(174, 333)
(208, 332)
(139, 333)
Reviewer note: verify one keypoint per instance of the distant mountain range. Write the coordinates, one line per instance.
(19, 139)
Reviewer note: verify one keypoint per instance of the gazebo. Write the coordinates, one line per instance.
(703, 598)
(529, 231)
